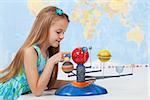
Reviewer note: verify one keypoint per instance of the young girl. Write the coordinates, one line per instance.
(35, 65)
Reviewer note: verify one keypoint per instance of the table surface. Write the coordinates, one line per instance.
(135, 87)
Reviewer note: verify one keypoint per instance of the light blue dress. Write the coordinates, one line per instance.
(13, 88)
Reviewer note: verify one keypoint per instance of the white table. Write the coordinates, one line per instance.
(134, 87)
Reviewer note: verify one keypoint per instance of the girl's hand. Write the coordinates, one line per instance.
(58, 57)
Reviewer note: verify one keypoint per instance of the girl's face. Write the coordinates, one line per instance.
(56, 32)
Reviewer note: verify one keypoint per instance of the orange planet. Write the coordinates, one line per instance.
(104, 55)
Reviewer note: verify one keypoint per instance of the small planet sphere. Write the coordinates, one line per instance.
(67, 67)
(66, 59)
(104, 55)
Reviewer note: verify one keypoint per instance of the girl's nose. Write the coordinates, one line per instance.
(61, 36)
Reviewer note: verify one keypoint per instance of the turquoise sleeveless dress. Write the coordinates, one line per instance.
(13, 88)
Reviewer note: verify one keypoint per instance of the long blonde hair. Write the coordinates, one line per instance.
(38, 34)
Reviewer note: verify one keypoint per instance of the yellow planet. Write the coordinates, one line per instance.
(104, 55)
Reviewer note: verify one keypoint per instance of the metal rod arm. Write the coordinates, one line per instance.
(93, 71)
(103, 77)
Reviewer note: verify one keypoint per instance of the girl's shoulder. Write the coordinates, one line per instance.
(30, 52)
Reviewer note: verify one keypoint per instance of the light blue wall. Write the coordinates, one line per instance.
(16, 21)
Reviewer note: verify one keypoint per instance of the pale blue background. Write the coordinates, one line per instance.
(16, 22)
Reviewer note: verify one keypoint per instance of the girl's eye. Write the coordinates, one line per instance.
(58, 32)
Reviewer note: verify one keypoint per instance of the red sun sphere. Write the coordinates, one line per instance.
(79, 55)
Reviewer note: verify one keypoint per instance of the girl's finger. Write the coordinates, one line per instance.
(61, 60)
(65, 53)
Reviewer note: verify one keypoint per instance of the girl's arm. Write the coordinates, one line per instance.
(38, 83)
